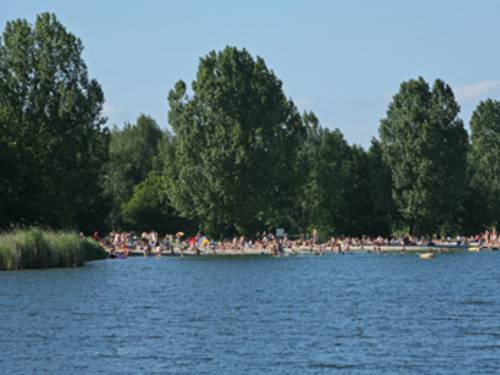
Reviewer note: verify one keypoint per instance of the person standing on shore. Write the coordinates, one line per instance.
(378, 244)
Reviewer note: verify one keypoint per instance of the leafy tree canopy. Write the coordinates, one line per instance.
(133, 152)
(485, 157)
(235, 145)
(51, 128)
(425, 145)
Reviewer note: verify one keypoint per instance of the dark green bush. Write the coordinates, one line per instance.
(92, 250)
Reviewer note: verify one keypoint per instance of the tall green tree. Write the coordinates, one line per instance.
(324, 161)
(360, 216)
(383, 215)
(133, 151)
(51, 127)
(425, 145)
(345, 190)
(235, 145)
(485, 159)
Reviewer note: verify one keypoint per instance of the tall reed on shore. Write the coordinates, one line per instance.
(35, 248)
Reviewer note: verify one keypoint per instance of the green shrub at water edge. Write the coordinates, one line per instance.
(66, 249)
(92, 249)
(34, 248)
(7, 257)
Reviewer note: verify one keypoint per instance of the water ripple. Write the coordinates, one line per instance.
(360, 314)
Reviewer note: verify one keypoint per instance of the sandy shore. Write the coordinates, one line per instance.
(442, 248)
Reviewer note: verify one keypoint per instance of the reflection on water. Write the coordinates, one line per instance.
(352, 314)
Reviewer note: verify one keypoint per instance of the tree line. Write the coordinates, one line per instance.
(241, 158)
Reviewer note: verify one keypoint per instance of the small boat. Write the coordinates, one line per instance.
(427, 255)
(475, 249)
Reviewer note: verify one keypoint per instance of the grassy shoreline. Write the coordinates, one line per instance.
(36, 248)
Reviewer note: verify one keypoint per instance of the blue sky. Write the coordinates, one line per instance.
(343, 60)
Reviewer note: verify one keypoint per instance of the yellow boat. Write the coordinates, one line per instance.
(475, 248)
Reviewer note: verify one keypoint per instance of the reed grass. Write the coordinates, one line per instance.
(36, 248)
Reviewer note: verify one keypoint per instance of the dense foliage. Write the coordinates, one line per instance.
(485, 158)
(52, 143)
(345, 190)
(132, 153)
(235, 145)
(425, 145)
(241, 158)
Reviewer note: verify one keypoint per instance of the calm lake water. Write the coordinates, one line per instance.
(342, 314)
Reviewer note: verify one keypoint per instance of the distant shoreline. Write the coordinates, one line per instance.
(388, 249)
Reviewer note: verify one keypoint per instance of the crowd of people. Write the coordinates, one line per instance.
(120, 244)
